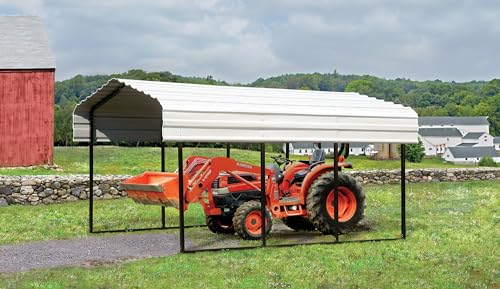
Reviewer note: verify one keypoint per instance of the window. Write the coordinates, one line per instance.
(465, 158)
(477, 158)
(351, 150)
(430, 149)
(300, 151)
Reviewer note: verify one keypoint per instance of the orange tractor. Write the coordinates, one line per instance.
(301, 194)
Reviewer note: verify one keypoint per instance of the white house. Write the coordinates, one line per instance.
(496, 142)
(470, 155)
(478, 139)
(357, 149)
(463, 124)
(437, 139)
(307, 148)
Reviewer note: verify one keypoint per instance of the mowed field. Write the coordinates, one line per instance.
(453, 241)
(135, 160)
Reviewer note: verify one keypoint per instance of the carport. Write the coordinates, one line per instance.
(133, 110)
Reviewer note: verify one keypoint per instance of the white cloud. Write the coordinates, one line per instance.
(243, 40)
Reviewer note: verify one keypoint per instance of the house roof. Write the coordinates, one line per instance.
(496, 140)
(135, 110)
(465, 144)
(439, 131)
(473, 152)
(473, 135)
(23, 44)
(453, 120)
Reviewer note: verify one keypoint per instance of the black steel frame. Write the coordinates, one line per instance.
(182, 226)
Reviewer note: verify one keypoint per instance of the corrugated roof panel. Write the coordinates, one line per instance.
(191, 112)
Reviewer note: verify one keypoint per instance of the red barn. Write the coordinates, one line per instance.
(27, 72)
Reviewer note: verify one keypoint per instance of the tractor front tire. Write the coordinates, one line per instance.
(248, 222)
(220, 224)
(320, 207)
(299, 223)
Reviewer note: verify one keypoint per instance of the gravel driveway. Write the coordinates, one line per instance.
(86, 251)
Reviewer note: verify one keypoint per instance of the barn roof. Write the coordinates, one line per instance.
(453, 120)
(23, 44)
(134, 110)
(439, 131)
(473, 135)
(473, 152)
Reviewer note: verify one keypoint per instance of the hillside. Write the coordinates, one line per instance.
(428, 98)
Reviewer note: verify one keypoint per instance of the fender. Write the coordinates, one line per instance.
(289, 173)
(311, 177)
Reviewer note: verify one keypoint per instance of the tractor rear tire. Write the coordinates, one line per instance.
(247, 221)
(351, 204)
(299, 223)
(220, 224)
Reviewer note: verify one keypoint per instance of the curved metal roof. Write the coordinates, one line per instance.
(135, 110)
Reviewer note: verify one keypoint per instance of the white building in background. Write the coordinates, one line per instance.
(496, 142)
(437, 139)
(470, 155)
(464, 124)
(478, 139)
(307, 148)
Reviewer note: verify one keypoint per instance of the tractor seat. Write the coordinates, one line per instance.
(300, 175)
(317, 157)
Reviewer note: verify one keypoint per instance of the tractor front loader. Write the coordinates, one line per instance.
(301, 194)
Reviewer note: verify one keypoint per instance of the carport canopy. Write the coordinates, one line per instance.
(135, 110)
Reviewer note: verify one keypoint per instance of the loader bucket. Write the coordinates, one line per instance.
(155, 188)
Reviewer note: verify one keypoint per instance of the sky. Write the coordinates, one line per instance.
(240, 41)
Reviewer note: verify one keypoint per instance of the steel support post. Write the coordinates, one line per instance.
(263, 192)
(180, 172)
(336, 189)
(403, 191)
(163, 170)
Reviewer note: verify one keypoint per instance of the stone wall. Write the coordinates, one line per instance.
(55, 189)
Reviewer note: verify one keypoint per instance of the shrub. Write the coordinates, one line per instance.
(415, 152)
(487, 162)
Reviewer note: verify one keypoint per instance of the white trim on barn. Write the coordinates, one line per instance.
(155, 111)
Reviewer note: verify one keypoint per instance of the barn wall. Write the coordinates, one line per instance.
(26, 117)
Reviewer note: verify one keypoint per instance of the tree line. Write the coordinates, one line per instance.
(428, 98)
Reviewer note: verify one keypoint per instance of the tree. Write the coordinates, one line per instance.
(415, 152)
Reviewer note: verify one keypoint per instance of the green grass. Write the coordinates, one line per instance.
(453, 242)
(126, 160)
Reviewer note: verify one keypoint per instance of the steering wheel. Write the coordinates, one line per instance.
(280, 160)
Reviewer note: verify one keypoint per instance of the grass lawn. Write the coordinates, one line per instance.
(127, 160)
(453, 242)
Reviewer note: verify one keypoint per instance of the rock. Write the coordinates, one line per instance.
(113, 191)
(107, 196)
(83, 195)
(5, 190)
(104, 187)
(56, 185)
(28, 183)
(45, 193)
(61, 192)
(76, 191)
(97, 193)
(3, 203)
(47, 201)
(72, 198)
(26, 190)
(33, 198)
(10, 200)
